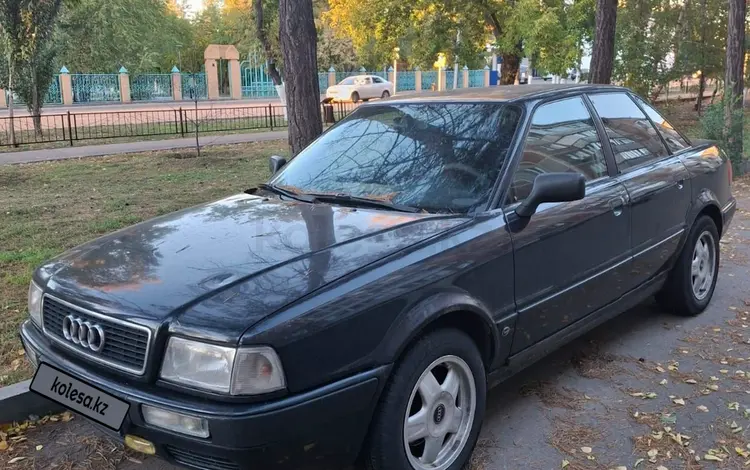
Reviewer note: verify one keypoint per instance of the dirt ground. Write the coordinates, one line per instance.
(644, 391)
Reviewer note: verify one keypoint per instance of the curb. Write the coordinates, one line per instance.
(17, 402)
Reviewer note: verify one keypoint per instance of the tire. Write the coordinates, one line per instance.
(355, 97)
(680, 294)
(386, 94)
(425, 362)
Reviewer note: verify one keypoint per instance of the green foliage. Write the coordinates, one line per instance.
(713, 127)
(103, 35)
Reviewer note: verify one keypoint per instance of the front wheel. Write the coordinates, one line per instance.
(692, 281)
(431, 411)
(385, 94)
(355, 97)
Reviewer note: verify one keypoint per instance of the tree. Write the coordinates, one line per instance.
(26, 27)
(298, 39)
(734, 83)
(602, 58)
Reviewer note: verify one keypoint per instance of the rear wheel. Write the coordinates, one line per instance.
(355, 97)
(692, 281)
(432, 408)
(385, 94)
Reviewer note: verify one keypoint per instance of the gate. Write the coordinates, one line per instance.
(256, 83)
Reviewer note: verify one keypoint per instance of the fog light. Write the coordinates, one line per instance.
(176, 422)
(140, 444)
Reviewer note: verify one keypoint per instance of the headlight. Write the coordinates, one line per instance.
(243, 371)
(35, 303)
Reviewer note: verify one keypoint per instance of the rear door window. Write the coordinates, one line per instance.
(675, 141)
(633, 138)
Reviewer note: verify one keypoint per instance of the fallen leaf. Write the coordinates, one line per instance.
(638, 394)
(657, 435)
(679, 401)
(659, 369)
(39, 447)
(663, 382)
(652, 455)
(650, 395)
(638, 462)
(737, 429)
(702, 408)
(691, 381)
(734, 406)
(712, 457)
(677, 438)
(3, 445)
(714, 387)
(661, 467)
(16, 459)
(67, 416)
(741, 452)
(723, 371)
(715, 379)
(621, 467)
(565, 463)
(586, 450)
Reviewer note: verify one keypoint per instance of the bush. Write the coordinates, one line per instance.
(713, 128)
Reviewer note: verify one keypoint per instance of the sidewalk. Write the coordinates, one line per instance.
(133, 147)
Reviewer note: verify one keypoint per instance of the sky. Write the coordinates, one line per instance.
(194, 6)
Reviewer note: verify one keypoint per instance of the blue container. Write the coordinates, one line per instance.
(493, 77)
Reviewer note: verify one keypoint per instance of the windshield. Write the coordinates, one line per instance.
(347, 81)
(437, 157)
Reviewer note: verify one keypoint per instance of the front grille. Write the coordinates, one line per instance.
(125, 345)
(207, 462)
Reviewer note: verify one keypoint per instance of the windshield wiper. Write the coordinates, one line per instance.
(290, 194)
(362, 201)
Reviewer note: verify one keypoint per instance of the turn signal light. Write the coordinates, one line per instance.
(140, 444)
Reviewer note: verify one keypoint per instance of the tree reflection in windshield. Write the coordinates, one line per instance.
(441, 157)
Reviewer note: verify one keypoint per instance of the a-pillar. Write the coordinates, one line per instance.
(417, 79)
(466, 76)
(235, 79)
(212, 79)
(124, 85)
(66, 86)
(486, 76)
(176, 84)
(331, 77)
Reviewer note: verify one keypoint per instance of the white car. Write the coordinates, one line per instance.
(360, 88)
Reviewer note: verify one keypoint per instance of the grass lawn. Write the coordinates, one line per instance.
(46, 208)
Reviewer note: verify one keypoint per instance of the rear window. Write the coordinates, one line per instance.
(675, 141)
(634, 139)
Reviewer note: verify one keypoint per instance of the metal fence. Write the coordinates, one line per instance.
(194, 86)
(73, 126)
(476, 78)
(151, 87)
(53, 95)
(90, 87)
(406, 81)
(429, 79)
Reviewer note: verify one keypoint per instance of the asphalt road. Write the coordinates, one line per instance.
(587, 404)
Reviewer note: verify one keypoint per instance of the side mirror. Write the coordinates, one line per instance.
(553, 187)
(276, 163)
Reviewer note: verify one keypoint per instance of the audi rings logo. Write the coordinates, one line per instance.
(84, 333)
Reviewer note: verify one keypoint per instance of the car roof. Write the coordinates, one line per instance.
(502, 93)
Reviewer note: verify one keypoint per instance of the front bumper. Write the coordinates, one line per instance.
(322, 428)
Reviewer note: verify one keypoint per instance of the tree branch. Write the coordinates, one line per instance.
(262, 35)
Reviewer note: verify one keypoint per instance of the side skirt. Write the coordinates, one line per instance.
(532, 354)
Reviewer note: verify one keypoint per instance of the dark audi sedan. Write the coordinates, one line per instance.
(357, 307)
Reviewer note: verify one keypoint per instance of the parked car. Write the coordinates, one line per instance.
(360, 88)
(362, 301)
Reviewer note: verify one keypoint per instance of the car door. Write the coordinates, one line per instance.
(378, 86)
(657, 182)
(368, 88)
(569, 258)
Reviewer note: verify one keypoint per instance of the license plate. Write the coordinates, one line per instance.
(80, 397)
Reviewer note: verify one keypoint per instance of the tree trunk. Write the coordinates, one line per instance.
(298, 40)
(262, 35)
(35, 106)
(602, 58)
(10, 102)
(509, 69)
(701, 90)
(734, 83)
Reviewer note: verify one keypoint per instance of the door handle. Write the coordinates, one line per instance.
(616, 204)
(680, 184)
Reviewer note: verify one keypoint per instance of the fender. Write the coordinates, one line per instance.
(413, 321)
(705, 198)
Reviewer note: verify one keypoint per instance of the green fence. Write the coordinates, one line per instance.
(151, 87)
(95, 87)
(194, 86)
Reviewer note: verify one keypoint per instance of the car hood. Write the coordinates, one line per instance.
(215, 270)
